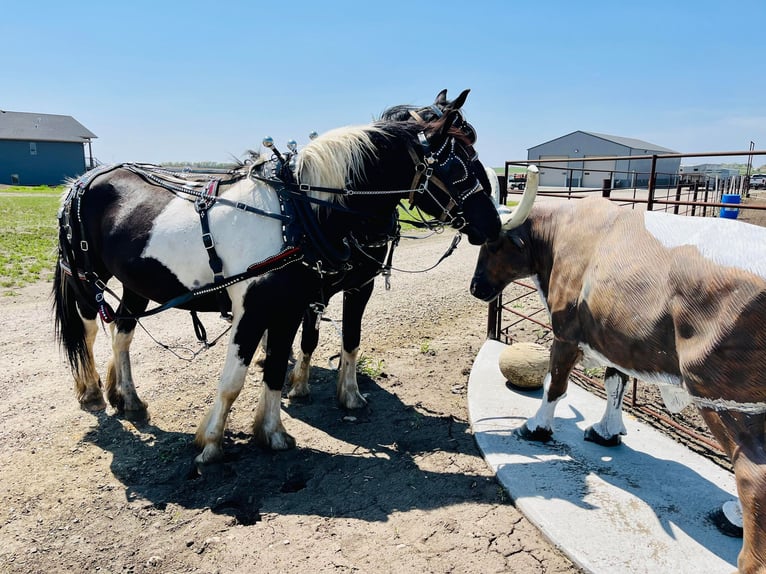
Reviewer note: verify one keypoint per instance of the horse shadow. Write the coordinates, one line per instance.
(568, 468)
(378, 472)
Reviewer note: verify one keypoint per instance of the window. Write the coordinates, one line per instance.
(32, 148)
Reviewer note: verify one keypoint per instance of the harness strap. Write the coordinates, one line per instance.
(274, 263)
(202, 205)
(421, 171)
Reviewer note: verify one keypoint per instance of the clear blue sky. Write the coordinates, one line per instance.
(201, 81)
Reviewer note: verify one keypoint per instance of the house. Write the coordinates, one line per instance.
(42, 149)
(581, 145)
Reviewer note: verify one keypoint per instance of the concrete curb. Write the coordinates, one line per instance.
(641, 507)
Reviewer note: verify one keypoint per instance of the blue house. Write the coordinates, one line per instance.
(42, 149)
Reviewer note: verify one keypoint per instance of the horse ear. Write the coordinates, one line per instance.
(460, 100)
(441, 98)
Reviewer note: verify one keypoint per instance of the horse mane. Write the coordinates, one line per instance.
(339, 155)
(336, 156)
(400, 113)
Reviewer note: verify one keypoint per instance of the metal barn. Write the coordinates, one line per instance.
(42, 149)
(581, 145)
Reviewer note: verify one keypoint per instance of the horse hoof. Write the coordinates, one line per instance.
(93, 405)
(136, 415)
(352, 401)
(537, 435)
(298, 392)
(279, 440)
(210, 455)
(592, 436)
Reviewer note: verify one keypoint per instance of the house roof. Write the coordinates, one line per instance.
(627, 142)
(42, 127)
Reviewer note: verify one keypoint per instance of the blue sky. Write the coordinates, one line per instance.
(202, 81)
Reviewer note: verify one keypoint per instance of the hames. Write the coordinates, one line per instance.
(676, 301)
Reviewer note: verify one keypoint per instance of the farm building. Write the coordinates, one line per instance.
(704, 171)
(584, 173)
(41, 149)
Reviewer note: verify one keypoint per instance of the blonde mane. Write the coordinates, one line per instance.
(334, 157)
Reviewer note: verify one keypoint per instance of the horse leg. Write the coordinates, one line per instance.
(608, 431)
(246, 333)
(76, 330)
(539, 427)
(86, 379)
(299, 375)
(742, 438)
(354, 304)
(268, 431)
(120, 389)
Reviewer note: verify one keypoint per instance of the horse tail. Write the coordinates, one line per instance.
(69, 326)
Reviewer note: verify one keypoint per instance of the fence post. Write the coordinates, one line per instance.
(678, 198)
(652, 183)
(696, 188)
(606, 187)
(494, 315)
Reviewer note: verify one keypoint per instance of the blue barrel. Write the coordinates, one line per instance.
(730, 212)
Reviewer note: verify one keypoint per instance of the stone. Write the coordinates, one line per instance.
(524, 365)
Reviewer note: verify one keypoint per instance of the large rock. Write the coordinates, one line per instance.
(524, 365)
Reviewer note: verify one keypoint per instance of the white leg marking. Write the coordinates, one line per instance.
(543, 418)
(611, 423)
(210, 432)
(299, 376)
(267, 426)
(348, 388)
(125, 387)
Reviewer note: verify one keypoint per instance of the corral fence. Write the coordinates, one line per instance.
(519, 309)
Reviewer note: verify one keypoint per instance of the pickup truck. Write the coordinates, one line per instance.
(517, 180)
(758, 181)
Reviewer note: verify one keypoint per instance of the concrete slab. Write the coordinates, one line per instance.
(641, 507)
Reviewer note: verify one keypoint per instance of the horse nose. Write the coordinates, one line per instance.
(481, 290)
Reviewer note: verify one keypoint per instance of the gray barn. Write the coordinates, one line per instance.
(41, 149)
(590, 174)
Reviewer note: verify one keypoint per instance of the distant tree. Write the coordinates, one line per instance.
(198, 164)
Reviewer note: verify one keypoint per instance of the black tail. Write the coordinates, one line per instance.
(69, 328)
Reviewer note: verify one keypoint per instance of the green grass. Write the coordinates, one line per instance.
(28, 233)
(370, 367)
(34, 189)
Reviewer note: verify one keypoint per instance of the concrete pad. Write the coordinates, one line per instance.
(641, 507)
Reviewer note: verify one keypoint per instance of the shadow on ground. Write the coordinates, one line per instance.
(380, 471)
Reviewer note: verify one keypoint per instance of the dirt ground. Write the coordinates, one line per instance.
(399, 486)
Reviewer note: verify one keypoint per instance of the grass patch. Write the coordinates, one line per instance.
(31, 189)
(28, 235)
(370, 367)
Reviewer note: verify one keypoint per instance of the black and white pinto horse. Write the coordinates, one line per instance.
(270, 242)
(373, 253)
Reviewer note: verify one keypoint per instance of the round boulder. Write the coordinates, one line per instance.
(524, 365)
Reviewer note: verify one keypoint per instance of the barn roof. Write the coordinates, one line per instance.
(619, 140)
(631, 142)
(42, 127)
